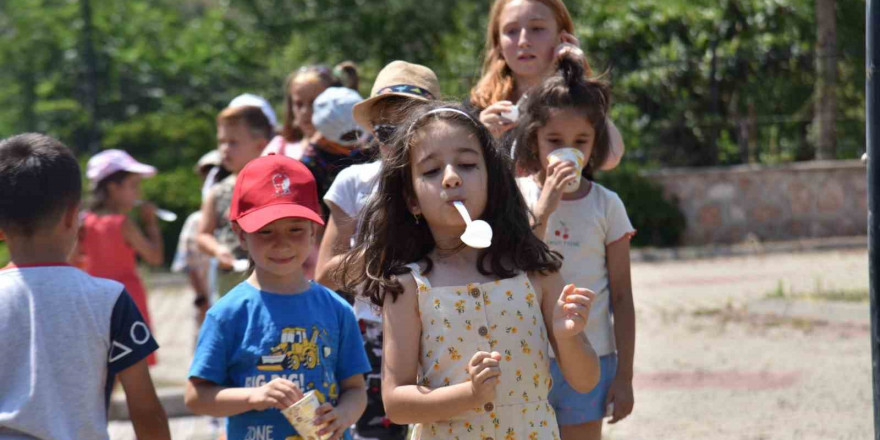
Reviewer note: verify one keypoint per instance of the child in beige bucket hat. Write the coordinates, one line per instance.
(398, 87)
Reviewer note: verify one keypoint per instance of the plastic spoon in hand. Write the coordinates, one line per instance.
(162, 214)
(477, 234)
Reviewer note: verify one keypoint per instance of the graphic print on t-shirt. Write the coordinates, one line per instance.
(561, 235)
(299, 349)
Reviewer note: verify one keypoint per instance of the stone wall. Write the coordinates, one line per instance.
(771, 203)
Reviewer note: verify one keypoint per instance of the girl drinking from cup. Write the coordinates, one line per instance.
(564, 134)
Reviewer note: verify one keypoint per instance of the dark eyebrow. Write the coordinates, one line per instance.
(426, 158)
(468, 150)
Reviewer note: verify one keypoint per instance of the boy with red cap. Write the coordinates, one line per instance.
(278, 335)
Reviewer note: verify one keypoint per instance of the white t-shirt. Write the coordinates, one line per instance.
(580, 230)
(350, 191)
(63, 336)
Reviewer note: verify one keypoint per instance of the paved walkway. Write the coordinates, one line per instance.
(719, 355)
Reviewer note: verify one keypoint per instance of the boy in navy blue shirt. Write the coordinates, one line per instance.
(278, 335)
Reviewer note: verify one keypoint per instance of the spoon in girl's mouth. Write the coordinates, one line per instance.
(477, 234)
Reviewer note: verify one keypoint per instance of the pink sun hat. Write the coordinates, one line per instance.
(108, 162)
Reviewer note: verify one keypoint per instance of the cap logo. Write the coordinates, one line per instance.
(282, 184)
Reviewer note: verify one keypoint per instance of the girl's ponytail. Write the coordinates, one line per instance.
(572, 71)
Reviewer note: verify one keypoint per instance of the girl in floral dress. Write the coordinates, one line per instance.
(467, 331)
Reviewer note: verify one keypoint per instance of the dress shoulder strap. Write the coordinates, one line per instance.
(421, 281)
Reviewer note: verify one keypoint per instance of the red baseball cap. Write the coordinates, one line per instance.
(273, 187)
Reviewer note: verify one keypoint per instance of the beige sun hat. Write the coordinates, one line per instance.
(398, 78)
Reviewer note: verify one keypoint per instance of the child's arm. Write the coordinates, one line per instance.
(205, 239)
(147, 414)
(565, 315)
(405, 401)
(558, 175)
(351, 405)
(620, 285)
(149, 246)
(206, 397)
(336, 241)
(616, 150)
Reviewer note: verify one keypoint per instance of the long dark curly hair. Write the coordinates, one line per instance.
(568, 88)
(389, 236)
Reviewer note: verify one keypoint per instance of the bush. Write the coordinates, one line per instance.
(4, 254)
(658, 221)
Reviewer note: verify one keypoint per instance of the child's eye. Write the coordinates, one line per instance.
(431, 172)
(264, 232)
(468, 166)
(511, 31)
(296, 230)
(537, 28)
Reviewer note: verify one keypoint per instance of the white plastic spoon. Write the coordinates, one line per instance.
(161, 214)
(477, 234)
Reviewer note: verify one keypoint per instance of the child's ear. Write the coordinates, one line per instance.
(70, 218)
(412, 204)
(240, 234)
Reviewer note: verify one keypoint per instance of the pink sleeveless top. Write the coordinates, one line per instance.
(106, 254)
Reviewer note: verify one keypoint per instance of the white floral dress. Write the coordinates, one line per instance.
(503, 316)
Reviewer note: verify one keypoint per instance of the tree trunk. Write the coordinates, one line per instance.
(826, 80)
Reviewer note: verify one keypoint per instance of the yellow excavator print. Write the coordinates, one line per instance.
(295, 350)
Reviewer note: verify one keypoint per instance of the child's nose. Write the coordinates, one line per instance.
(523, 38)
(451, 179)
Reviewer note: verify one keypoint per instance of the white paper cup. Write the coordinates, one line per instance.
(302, 416)
(572, 155)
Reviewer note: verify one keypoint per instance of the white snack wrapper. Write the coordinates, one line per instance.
(302, 415)
(572, 155)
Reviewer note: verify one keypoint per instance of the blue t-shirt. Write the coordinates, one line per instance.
(251, 337)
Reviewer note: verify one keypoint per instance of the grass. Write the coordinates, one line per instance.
(819, 293)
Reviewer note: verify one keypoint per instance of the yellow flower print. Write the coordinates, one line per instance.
(453, 353)
(446, 323)
(493, 343)
(467, 324)
(439, 338)
(536, 379)
(468, 426)
(459, 306)
(486, 300)
(528, 285)
(458, 292)
(425, 382)
(436, 365)
(525, 396)
(446, 381)
(436, 305)
(519, 315)
(507, 356)
(518, 375)
(423, 288)
(541, 354)
(429, 354)
(533, 435)
(495, 420)
(504, 313)
(510, 435)
(534, 320)
(530, 333)
(460, 339)
(478, 307)
(525, 346)
(511, 330)
(510, 394)
(544, 423)
(530, 299)
(525, 410)
(509, 295)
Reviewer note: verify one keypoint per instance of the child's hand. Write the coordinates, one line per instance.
(279, 393)
(559, 174)
(621, 394)
(485, 372)
(147, 212)
(334, 421)
(572, 311)
(569, 46)
(225, 259)
(492, 119)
